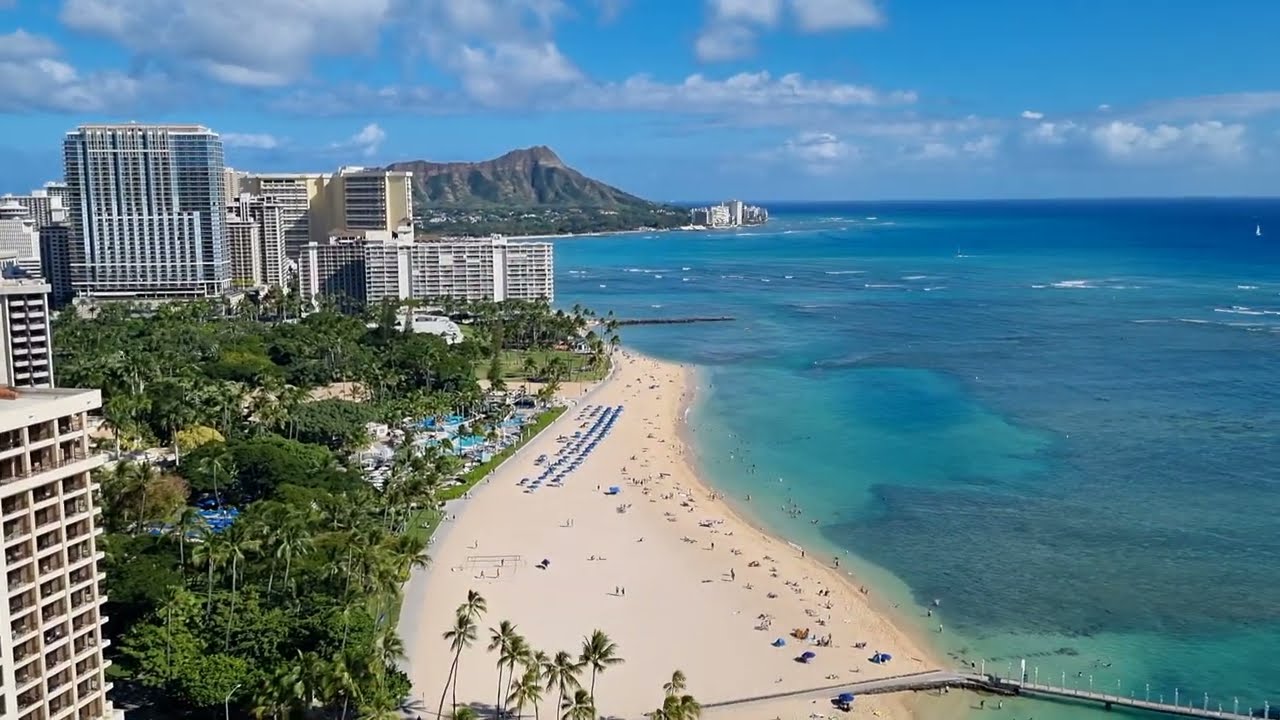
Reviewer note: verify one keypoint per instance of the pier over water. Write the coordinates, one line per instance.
(993, 684)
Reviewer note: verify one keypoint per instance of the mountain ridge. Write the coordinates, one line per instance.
(533, 177)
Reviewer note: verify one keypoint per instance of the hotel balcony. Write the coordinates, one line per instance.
(12, 506)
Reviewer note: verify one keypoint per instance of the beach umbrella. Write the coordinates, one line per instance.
(845, 697)
(808, 655)
(779, 642)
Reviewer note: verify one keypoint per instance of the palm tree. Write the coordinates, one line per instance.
(526, 691)
(677, 707)
(212, 553)
(501, 639)
(238, 544)
(677, 684)
(518, 652)
(578, 707)
(293, 539)
(460, 636)
(598, 653)
(562, 674)
(189, 523)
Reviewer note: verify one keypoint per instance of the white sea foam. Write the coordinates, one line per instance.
(844, 272)
(788, 277)
(603, 285)
(657, 277)
(915, 277)
(931, 289)
(686, 269)
(881, 285)
(1245, 310)
(656, 305)
(765, 280)
(1246, 287)
(1074, 284)
(684, 279)
(1194, 321)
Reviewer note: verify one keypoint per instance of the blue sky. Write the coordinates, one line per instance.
(680, 99)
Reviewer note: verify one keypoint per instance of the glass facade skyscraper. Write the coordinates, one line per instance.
(146, 211)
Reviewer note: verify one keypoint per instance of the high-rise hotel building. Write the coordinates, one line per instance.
(147, 211)
(51, 642)
(317, 206)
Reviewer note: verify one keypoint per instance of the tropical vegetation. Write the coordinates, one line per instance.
(528, 678)
(288, 608)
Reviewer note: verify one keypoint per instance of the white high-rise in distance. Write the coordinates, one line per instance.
(147, 211)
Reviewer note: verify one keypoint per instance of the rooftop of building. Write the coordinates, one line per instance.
(19, 406)
(135, 125)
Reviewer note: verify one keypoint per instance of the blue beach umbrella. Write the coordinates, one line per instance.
(845, 697)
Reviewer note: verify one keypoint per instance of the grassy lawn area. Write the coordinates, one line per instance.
(513, 365)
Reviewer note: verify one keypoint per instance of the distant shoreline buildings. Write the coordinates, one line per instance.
(152, 213)
(731, 213)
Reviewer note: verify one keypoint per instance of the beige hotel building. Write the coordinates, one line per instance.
(51, 664)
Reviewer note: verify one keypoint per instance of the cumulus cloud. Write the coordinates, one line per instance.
(1209, 107)
(501, 51)
(1124, 140)
(367, 141)
(725, 42)
(731, 26)
(22, 45)
(1032, 115)
(1052, 133)
(698, 93)
(983, 147)
(254, 141)
(818, 15)
(35, 78)
(260, 43)
(818, 152)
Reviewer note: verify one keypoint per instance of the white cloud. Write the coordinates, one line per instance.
(259, 43)
(983, 147)
(725, 42)
(819, 15)
(22, 45)
(700, 94)
(758, 12)
(1208, 107)
(818, 152)
(731, 26)
(505, 73)
(255, 141)
(368, 141)
(501, 51)
(1122, 140)
(935, 150)
(35, 78)
(1052, 133)
(1104, 108)
(1032, 115)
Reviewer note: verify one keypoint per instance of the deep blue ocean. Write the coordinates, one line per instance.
(1060, 419)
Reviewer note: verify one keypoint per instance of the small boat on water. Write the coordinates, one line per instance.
(1257, 230)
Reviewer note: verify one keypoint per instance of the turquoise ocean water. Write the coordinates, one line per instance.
(1062, 420)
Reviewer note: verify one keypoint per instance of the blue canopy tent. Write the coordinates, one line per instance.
(845, 698)
(778, 643)
(881, 658)
(807, 655)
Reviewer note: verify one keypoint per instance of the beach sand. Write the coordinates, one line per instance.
(672, 582)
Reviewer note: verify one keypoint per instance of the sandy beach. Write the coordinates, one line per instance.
(664, 568)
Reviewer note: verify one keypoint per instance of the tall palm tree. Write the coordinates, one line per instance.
(460, 637)
(676, 685)
(293, 539)
(598, 653)
(500, 640)
(526, 691)
(518, 652)
(211, 552)
(578, 707)
(677, 707)
(239, 543)
(189, 523)
(562, 673)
